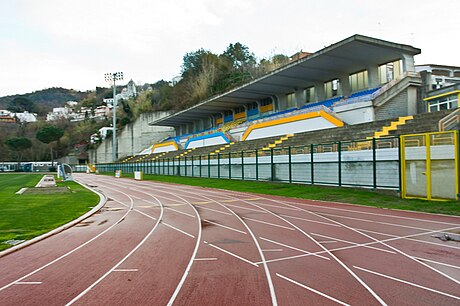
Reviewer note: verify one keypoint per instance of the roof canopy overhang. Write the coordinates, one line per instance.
(348, 56)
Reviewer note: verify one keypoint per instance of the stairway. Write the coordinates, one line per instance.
(392, 127)
(277, 142)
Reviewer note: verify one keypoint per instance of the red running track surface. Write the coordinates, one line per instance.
(166, 244)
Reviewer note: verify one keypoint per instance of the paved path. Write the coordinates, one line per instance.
(165, 244)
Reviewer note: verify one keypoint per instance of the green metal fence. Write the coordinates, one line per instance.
(372, 163)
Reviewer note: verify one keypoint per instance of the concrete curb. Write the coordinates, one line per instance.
(102, 202)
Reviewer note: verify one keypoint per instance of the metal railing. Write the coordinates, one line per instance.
(367, 163)
(450, 121)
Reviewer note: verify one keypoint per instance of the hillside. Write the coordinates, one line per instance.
(47, 98)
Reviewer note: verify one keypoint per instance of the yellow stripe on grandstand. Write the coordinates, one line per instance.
(311, 115)
(164, 144)
(442, 95)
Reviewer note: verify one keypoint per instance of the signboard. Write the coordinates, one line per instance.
(117, 173)
(138, 175)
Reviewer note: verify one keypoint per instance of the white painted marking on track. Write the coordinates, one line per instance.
(411, 239)
(246, 208)
(312, 290)
(272, 250)
(294, 248)
(408, 283)
(437, 262)
(177, 229)
(224, 226)
(205, 259)
(215, 210)
(28, 283)
(310, 220)
(327, 242)
(268, 223)
(280, 207)
(125, 270)
(180, 212)
(232, 254)
(351, 242)
(376, 222)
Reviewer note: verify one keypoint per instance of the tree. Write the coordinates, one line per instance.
(18, 144)
(21, 104)
(49, 134)
(240, 56)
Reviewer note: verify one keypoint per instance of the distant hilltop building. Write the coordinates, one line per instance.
(9, 117)
(66, 112)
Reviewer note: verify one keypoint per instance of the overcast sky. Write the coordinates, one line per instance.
(71, 44)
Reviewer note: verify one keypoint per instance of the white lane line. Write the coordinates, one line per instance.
(310, 220)
(180, 212)
(231, 254)
(312, 290)
(177, 229)
(327, 242)
(28, 283)
(123, 259)
(411, 239)
(293, 248)
(125, 270)
(383, 243)
(438, 263)
(246, 208)
(272, 250)
(69, 252)
(215, 210)
(280, 207)
(355, 243)
(205, 259)
(224, 226)
(268, 223)
(408, 283)
(192, 258)
(364, 244)
(375, 222)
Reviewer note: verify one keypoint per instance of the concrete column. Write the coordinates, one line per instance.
(373, 76)
(408, 63)
(319, 92)
(412, 101)
(345, 89)
(299, 98)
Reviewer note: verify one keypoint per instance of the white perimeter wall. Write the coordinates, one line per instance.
(311, 124)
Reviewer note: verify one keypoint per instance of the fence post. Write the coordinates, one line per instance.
(218, 165)
(185, 162)
(374, 163)
(209, 165)
(312, 165)
(399, 166)
(193, 170)
(339, 149)
(173, 167)
(257, 165)
(200, 165)
(290, 165)
(230, 165)
(271, 165)
(242, 165)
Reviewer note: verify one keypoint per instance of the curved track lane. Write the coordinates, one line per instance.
(166, 244)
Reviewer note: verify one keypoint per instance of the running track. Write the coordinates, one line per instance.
(165, 244)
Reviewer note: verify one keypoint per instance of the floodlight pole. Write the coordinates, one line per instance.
(112, 77)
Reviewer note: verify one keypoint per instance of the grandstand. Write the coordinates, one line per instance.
(352, 96)
(358, 80)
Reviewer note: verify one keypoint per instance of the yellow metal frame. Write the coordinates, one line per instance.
(427, 136)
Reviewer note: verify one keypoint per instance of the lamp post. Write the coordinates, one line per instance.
(111, 78)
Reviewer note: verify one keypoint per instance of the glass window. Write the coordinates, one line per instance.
(390, 71)
(358, 81)
(309, 94)
(331, 88)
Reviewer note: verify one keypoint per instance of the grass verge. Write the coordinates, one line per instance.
(23, 217)
(359, 196)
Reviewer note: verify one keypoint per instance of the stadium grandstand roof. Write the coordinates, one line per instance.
(350, 55)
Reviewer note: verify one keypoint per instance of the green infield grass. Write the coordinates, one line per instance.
(382, 199)
(25, 216)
